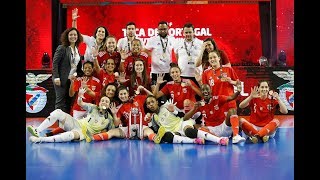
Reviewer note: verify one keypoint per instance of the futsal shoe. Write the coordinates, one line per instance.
(254, 139)
(265, 139)
(87, 135)
(33, 131)
(199, 140)
(224, 141)
(237, 139)
(34, 139)
(158, 137)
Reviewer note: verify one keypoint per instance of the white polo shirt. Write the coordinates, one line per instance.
(185, 50)
(161, 53)
(90, 42)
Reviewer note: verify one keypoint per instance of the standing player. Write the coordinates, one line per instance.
(127, 59)
(208, 46)
(109, 51)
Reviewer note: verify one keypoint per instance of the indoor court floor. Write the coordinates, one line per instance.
(141, 159)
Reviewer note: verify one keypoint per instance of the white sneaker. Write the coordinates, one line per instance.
(33, 131)
(34, 139)
(236, 139)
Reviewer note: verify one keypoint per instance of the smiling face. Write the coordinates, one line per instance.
(123, 95)
(73, 36)
(214, 59)
(111, 44)
(111, 91)
(209, 46)
(152, 104)
(101, 33)
(104, 102)
(138, 66)
(175, 73)
(88, 69)
(109, 66)
(206, 91)
(163, 30)
(264, 89)
(136, 46)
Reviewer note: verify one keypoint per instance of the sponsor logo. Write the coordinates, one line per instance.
(36, 96)
(286, 91)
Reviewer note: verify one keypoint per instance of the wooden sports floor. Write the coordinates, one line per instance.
(141, 159)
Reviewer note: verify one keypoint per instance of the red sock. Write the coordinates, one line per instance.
(101, 136)
(55, 131)
(151, 136)
(205, 129)
(248, 128)
(269, 128)
(234, 120)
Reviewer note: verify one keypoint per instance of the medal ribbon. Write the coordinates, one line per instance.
(188, 50)
(164, 47)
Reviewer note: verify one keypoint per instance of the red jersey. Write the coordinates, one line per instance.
(136, 106)
(262, 111)
(179, 93)
(103, 56)
(128, 64)
(212, 112)
(105, 78)
(138, 82)
(93, 84)
(213, 79)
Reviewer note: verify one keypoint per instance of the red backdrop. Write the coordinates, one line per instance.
(38, 32)
(236, 31)
(285, 29)
(235, 27)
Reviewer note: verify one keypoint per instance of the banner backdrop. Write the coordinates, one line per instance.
(40, 95)
(234, 27)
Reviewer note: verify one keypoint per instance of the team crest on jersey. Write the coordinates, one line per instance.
(286, 91)
(36, 96)
(204, 114)
(184, 90)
